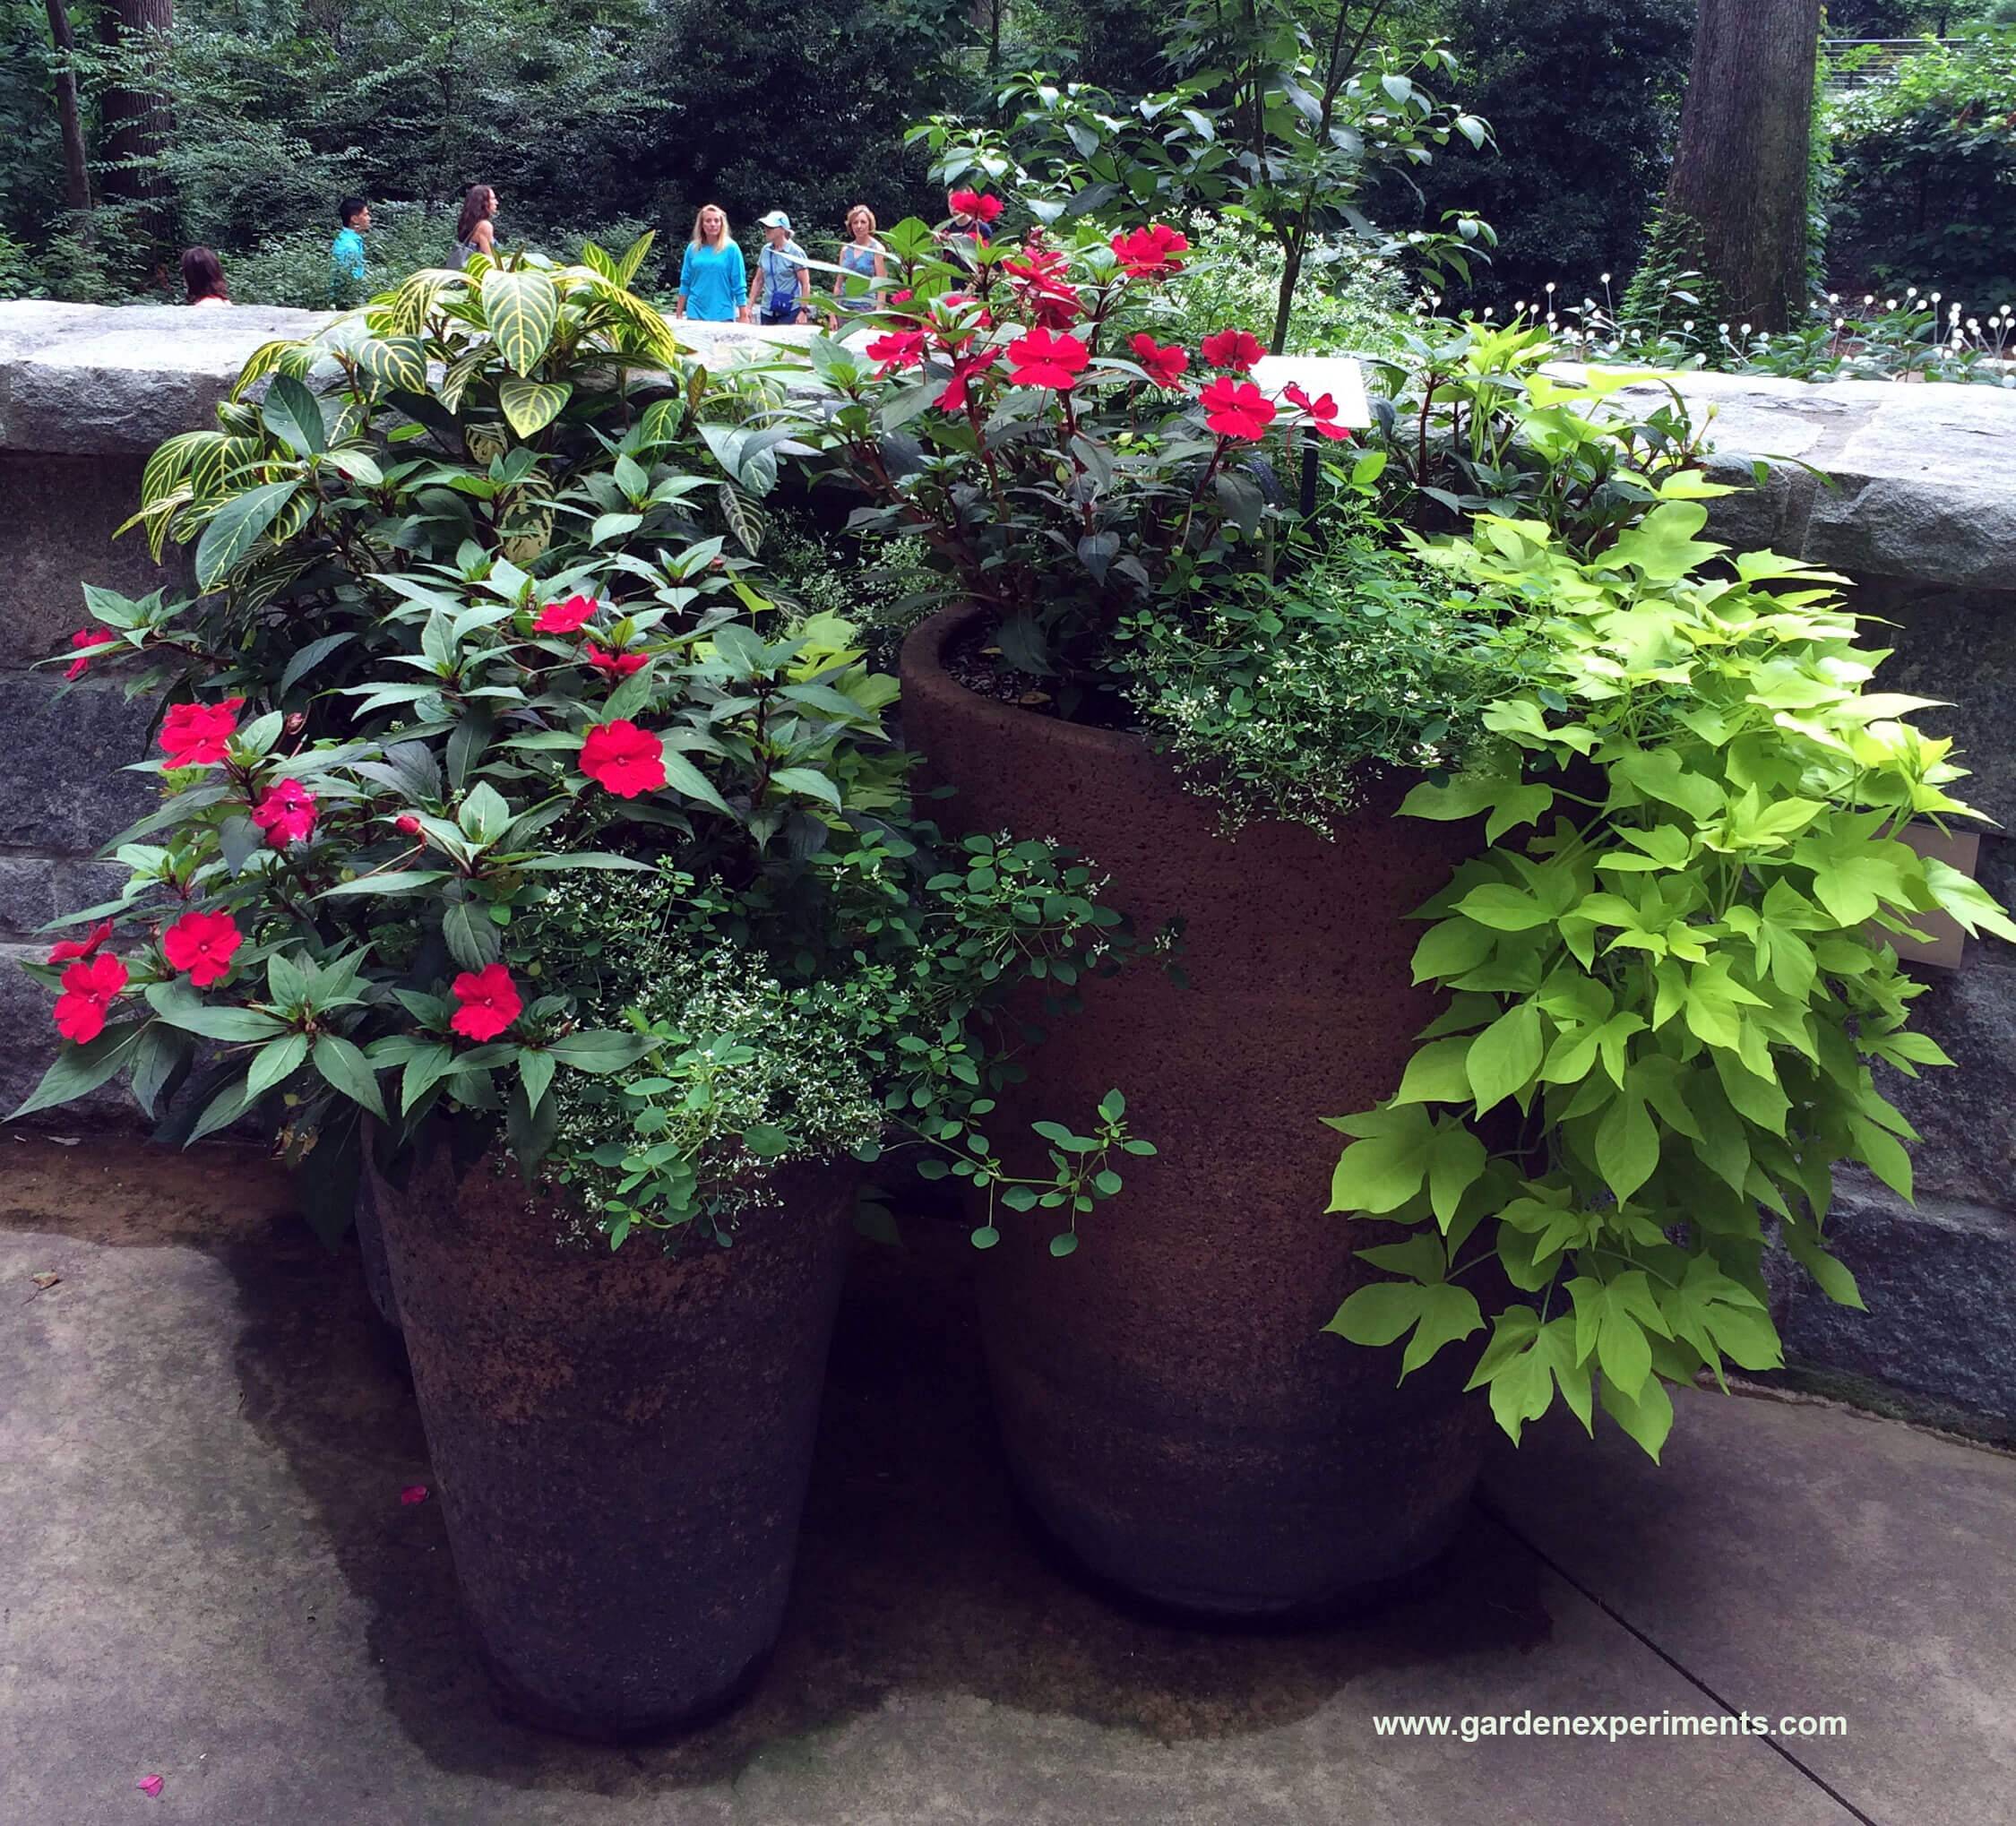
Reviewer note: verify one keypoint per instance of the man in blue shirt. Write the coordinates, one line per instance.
(346, 254)
(781, 290)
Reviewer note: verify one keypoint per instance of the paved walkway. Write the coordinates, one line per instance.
(206, 1573)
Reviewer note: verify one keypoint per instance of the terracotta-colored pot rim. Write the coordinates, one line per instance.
(926, 676)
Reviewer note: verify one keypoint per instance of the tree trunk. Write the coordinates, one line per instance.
(1740, 176)
(135, 120)
(76, 171)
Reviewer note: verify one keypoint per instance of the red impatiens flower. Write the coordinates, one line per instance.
(286, 813)
(568, 617)
(615, 665)
(1237, 408)
(89, 988)
(64, 948)
(624, 758)
(1040, 360)
(202, 944)
(1238, 348)
(1165, 366)
(194, 735)
(407, 824)
(955, 397)
(85, 637)
(1321, 411)
(1151, 252)
(971, 203)
(490, 1002)
(897, 349)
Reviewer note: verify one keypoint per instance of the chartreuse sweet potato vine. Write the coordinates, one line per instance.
(1673, 963)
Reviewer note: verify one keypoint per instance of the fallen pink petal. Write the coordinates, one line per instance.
(150, 1785)
(414, 1492)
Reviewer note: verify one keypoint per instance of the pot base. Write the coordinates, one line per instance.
(522, 1706)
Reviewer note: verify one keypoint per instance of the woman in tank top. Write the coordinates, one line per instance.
(862, 261)
(473, 232)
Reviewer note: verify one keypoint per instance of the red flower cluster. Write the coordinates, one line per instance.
(955, 397)
(1040, 360)
(614, 665)
(1151, 252)
(1047, 295)
(1321, 411)
(1238, 348)
(85, 637)
(285, 814)
(196, 735)
(89, 986)
(897, 349)
(568, 617)
(1237, 408)
(972, 204)
(623, 758)
(202, 944)
(490, 1002)
(1165, 366)
(66, 948)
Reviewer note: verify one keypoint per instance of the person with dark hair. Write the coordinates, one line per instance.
(202, 277)
(473, 233)
(346, 254)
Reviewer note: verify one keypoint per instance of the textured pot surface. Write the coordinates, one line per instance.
(620, 1440)
(1174, 1411)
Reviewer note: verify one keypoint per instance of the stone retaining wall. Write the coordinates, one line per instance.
(1914, 506)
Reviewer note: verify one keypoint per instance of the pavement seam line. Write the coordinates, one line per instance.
(1769, 1738)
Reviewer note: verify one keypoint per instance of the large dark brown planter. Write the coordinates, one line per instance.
(621, 1441)
(1173, 1411)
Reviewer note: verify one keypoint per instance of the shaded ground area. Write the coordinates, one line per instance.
(206, 1572)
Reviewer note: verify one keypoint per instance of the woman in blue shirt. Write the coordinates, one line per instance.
(713, 281)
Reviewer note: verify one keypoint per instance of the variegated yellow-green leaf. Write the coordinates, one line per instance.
(396, 361)
(169, 464)
(239, 525)
(263, 361)
(530, 406)
(633, 257)
(523, 309)
(407, 314)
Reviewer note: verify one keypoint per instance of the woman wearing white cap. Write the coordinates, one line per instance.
(781, 290)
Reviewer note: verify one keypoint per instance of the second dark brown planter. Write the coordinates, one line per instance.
(621, 1441)
(1172, 1409)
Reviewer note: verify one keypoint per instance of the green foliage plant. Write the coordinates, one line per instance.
(1668, 977)
(497, 794)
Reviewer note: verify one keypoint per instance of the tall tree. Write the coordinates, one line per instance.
(76, 171)
(1736, 204)
(134, 114)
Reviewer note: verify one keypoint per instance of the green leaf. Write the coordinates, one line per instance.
(1378, 1315)
(237, 527)
(1436, 1073)
(425, 1068)
(293, 416)
(178, 1005)
(1503, 1059)
(392, 881)
(307, 658)
(1503, 907)
(809, 781)
(522, 310)
(536, 1069)
(275, 1064)
(1647, 1419)
(80, 1069)
(1627, 1146)
(530, 406)
(347, 1071)
(471, 935)
(600, 1050)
